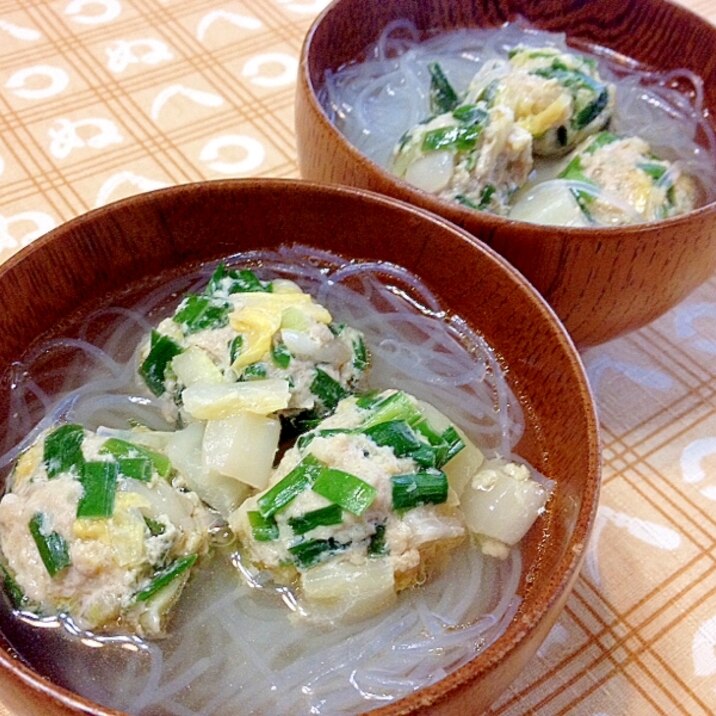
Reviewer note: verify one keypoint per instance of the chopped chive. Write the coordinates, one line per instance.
(161, 352)
(589, 113)
(419, 488)
(325, 516)
(228, 281)
(396, 406)
(155, 527)
(486, 195)
(62, 451)
(18, 598)
(377, 546)
(254, 371)
(459, 138)
(454, 444)
(307, 554)
(350, 492)
(470, 114)
(137, 468)
(235, 348)
(53, 549)
(600, 140)
(443, 97)
(124, 449)
(99, 480)
(285, 490)
(163, 577)
(467, 201)
(307, 438)
(395, 434)
(280, 355)
(197, 313)
(328, 390)
(263, 529)
(653, 170)
(360, 354)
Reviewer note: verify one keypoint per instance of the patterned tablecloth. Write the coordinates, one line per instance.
(100, 99)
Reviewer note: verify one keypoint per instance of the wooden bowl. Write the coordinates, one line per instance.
(601, 281)
(108, 254)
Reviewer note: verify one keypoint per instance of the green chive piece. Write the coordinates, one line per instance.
(163, 577)
(443, 97)
(235, 348)
(600, 140)
(328, 390)
(161, 352)
(197, 313)
(307, 438)
(124, 449)
(460, 138)
(99, 480)
(307, 554)
(589, 113)
(350, 492)
(453, 442)
(360, 354)
(280, 355)
(227, 281)
(285, 490)
(155, 527)
(395, 434)
(53, 549)
(325, 516)
(137, 468)
(470, 114)
(62, 451)
(420, 488)
(264, 529)
(12, 589)
(396, 406)
(653, 170)
(377, 546)
(254, 371)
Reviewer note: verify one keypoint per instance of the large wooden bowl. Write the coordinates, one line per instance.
(47, 288)
(601, 282)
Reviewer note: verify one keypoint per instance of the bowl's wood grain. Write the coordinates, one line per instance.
(49, 286)
(601, 282)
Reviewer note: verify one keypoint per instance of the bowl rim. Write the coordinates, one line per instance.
(566, 571)
(461, 214)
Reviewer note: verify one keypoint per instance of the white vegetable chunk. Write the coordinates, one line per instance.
(205, 401)
(432, 172)
(221, 492)
(350, 591)
(551, 203)
(502, 502)
(242, 447)
(194, 365)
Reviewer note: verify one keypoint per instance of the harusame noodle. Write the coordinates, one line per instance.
(232, 646)
(380, 101)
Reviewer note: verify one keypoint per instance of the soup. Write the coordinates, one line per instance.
(233, 643)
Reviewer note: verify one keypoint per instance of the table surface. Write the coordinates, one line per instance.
(100, 99)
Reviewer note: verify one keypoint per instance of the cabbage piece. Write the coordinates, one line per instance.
(223, 493)
(205, 401)
(339, 589)
(242, 447)
(502, 501)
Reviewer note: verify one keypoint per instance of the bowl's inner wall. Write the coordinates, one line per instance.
(98, 258)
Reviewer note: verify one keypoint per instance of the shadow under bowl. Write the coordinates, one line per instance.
(602, 282)
(128, 248)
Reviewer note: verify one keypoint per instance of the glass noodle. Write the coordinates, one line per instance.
(232, 645)
(375, 101)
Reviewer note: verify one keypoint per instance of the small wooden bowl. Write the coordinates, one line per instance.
(601, 282)
(94, 260)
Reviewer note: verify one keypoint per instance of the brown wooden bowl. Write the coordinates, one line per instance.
(601, 282)
(108, 254)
